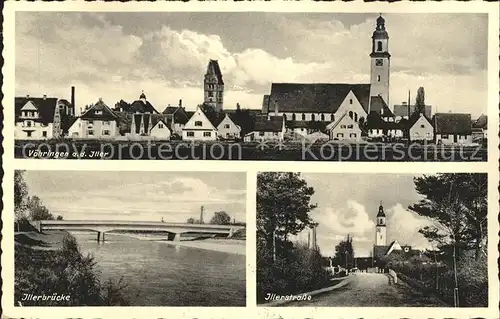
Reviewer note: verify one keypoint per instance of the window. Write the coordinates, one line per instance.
(190, 134)
(106, 122)
(91, 122)
(284, 116)
(160, 125)
(227, 126)
(342, 126)
(261, 133)
(275, 133)
(28, 123)
(350, 126)
(207, 134)
(322, 116)
(198, 123)
(44, 133)
(98, 112)
(28, 134)
(351, 115)
(379, 46)
(380, 221)
(303, 117)
(353, 135)
(340, 134)
(293, 117)
(422, 126)
(313, 117)
(90, 132)
(378, 78)
(333, 117)
(210, 94)
(355, 117)
(105, 132)
(350, 101)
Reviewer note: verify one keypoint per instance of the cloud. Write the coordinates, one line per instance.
(106, 59)
(403, 226)
(351, 218)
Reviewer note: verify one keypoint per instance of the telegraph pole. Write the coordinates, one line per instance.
(201, 214)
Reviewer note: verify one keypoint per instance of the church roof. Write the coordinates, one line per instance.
(378, 105)
(381, 211)
(213, 68)
(453, 123)
(402, 110)
(313, 97)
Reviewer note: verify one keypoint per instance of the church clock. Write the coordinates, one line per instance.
(379, 62)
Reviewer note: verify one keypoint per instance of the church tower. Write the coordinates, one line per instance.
(214, 86)
(381, 229)
(380, 62)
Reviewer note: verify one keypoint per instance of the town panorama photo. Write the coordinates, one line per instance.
(251, 86)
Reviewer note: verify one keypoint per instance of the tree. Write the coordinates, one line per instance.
(20, 194)
(283, 206)
(344, 253)
(458, 205)
(36, 209)
(190, 220)
(420, 101)
(220, 218)
(59, 217)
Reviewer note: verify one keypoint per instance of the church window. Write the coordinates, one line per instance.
(303, 117)
(378, 78)
(379, 46)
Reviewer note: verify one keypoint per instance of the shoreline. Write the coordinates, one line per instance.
(230, 246)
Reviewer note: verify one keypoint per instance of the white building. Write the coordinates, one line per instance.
(199, 127)
(345, 129)
(98, 121)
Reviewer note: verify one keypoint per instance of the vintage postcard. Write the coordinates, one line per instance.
(192, 85)
(252, 159)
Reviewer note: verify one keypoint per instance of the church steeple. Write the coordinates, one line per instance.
(380, 228)
(380, 62)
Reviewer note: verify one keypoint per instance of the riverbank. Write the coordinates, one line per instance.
(52, 240)
(230, 246)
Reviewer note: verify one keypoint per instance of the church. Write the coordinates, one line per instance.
(383, 251)
(327, 103)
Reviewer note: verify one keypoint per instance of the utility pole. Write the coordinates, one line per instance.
(201, 214)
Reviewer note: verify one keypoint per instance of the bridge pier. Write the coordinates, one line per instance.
(99, 236)
(177, 237)
(231, 232)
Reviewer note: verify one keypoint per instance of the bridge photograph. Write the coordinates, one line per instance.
(131, 238)
(381, 240)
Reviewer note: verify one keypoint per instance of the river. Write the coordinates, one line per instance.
(159, 274)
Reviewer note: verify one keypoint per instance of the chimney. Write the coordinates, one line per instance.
(27, 96)
(404, 103)
(180, 103)
(45, 96)
(73, 97)
(201, 214)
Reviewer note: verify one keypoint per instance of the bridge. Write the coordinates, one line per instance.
(103, 226)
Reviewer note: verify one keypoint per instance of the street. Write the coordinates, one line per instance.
(371, 290)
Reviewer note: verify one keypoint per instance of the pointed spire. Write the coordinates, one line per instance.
(142, 96)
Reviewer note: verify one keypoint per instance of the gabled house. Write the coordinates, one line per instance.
(97, 121)
(267, 128)
(43, 117)
(377, 127)
(345, 128)
(159, 128)
(177, 117)
(420, 127)
(480, 127)
(227, 127)
(453, 128)
(199, 127)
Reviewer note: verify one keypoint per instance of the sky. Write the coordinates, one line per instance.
(139, 196)
(348, 204)
(115, 56)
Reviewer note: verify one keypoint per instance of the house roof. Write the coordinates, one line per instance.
(380, 251)
(213, 68)
(378, 105)
(313, 97)
(453, 123)
(107, 113)
(402, 110)
(178, 114)
(415, 117)
(149, 121)
(375, 121)
(481, 122)
(67, 122)
(296, 124)
(273, 124)
(46, 108)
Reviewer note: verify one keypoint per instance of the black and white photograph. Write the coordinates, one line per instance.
(281, 86)
(113, 238)
(372, 240)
